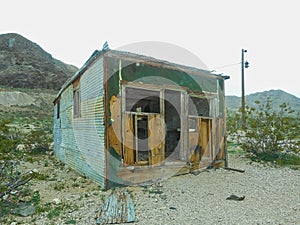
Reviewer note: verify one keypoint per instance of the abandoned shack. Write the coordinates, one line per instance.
(125, 119)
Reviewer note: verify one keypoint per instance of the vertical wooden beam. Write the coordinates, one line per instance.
(106, 107)
(225, 128)
(162, 122)
(184, 129)
(123, 109)
(136, 138)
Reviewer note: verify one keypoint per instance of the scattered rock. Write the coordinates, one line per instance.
(56, 201)
(236, 198)
(24, 209)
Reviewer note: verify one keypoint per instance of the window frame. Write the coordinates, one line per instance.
(76, 99)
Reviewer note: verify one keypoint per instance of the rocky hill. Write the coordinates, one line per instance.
(277, 97)
(24, 64)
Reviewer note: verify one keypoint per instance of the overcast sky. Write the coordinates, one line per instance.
(214, 31)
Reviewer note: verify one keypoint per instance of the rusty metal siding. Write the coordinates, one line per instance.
(57, 135)
(82, 144)
(63, 125)
(89, 129)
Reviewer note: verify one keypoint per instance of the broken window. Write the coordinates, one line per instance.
(199, 106)
(192, 124)
(140, 100)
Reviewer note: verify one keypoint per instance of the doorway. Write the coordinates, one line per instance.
(172, 117)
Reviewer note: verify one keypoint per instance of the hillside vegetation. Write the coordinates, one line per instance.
(276, 96)
(24, 64)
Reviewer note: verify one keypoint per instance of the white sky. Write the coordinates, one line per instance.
(213, 30)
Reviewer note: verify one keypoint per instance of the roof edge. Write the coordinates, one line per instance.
(132, 56)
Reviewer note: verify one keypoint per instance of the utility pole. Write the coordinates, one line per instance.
(244, 65)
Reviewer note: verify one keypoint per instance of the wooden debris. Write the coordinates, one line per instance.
(233, 169)
(117, 208)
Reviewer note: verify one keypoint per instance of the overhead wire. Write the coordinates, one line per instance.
(220, 67)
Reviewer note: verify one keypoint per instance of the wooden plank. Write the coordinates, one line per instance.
(162, 124)
(128, 139)
(106, 102)
(155, 139)
(114, 130)
(193, 147)
(183, 126)
(117, 208)
(221, 139)
(214, 134)
(204, 137)
(76, 83)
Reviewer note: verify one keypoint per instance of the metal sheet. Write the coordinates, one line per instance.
(79, 142)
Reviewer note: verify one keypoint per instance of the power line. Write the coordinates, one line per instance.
(220, 67)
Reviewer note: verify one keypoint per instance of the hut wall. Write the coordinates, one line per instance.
(80, 140)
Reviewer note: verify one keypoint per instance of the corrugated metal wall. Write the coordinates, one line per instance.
(80, 142)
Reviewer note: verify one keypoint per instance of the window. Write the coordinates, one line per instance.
(142, 100)
(58, 109)
(76, 97)
(199, 106)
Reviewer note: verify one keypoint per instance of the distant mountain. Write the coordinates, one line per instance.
(277, 96)
(24, 64)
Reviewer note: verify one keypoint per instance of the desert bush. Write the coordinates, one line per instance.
(9, 139)
(268, 134)
(12, 179)
(37, 141)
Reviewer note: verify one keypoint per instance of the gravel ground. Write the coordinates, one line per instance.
(272, 196)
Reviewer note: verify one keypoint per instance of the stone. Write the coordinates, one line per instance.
(24, 209)
(236, 198)
(56, 201)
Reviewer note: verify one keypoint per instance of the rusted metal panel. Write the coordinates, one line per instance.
(82, 138)
(89, 129)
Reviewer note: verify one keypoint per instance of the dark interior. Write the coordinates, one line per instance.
(140, 100)
(199, 106)
(172, 123)
(142, 153)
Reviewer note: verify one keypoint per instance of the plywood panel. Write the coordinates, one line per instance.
(128, 139)
(155, 141)
(205, 137)
(193, 147)
(194, 143)
(114, 130)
